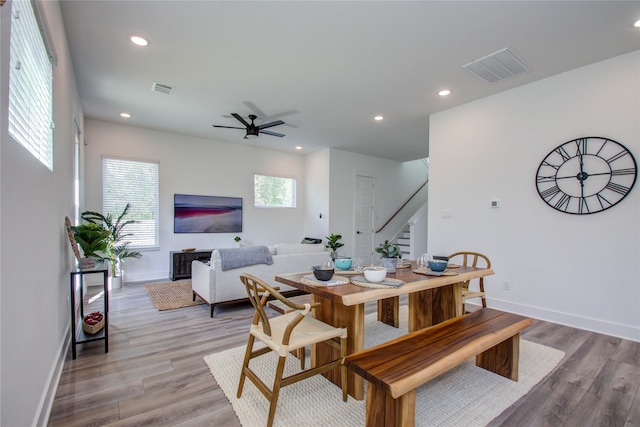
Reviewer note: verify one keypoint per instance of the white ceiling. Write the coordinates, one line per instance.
(325, 68)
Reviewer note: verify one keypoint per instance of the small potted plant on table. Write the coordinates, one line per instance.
(334, 243)
(389, 255)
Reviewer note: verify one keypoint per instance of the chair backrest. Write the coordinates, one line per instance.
(259, 291)
(471, 259)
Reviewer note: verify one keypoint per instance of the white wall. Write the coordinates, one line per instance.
(191, 165)
(394, 183)
(35, 255)
(317, 192)
(577, 270)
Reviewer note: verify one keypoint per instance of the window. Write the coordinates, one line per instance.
(274, 192)
(134, 182)
(30, 85)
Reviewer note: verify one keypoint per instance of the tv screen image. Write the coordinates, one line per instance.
(207, 214)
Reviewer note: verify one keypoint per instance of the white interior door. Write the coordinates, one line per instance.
(363, 221)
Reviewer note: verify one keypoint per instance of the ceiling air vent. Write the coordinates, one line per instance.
(498, 66)
(161, 88)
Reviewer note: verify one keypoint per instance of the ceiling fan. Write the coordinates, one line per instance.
(252, 129)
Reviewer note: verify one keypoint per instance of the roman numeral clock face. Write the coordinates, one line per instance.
(586, 175)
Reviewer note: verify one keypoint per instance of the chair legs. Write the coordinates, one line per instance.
(279, 380)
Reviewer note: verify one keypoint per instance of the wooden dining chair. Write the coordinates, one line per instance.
(471, 259)
(283, 334)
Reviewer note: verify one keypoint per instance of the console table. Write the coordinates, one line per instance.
(78, 335)
(180, 262)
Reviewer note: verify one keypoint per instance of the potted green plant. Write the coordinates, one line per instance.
(92, 239)
(389, 255)
(334, 243)
(238, 241)
(116, 250)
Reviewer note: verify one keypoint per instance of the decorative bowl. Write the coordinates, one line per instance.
(343, 263)
(322, 273)
(437, 265)
(375, 274)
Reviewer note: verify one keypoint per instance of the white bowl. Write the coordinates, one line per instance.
(375, 274)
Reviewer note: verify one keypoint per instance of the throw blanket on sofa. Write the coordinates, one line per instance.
(231, 258)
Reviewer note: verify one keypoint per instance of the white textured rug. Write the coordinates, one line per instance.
(465, 396)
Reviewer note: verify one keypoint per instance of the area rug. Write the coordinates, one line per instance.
(172, 295)
(465, 396)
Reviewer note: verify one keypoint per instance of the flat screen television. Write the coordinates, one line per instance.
(206, 214)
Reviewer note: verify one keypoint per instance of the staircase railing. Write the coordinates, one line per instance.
(401, 207)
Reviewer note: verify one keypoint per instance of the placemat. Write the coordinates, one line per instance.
(429, 272)
(385, 284)
(334, 281)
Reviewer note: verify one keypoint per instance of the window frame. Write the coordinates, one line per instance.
(294, 196)
(116, 209)
(31, 61)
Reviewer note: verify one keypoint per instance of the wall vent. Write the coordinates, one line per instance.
(498, 66)
(162, 88)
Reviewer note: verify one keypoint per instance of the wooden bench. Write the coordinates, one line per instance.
(394, 370)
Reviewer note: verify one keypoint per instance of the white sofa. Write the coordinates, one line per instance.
(215, 286)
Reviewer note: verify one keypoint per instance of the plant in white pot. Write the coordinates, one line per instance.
(389, 254)
(116, 250)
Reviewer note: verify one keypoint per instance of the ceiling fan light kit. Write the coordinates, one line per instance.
(253, 130)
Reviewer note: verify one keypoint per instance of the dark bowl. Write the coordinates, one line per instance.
(323, 274)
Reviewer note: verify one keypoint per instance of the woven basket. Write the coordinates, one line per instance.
(93, 329)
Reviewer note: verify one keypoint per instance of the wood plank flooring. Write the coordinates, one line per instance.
(155, 375)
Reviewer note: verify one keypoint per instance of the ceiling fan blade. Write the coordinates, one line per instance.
(268, 132)
(271, 124)
(258, 112)
(240, 119)
(227, 127)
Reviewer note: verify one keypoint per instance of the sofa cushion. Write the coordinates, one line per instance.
(311, 241)
(297, 248)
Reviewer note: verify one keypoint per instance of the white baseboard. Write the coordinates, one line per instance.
(49, 393)
(146, 276)
(627, 332)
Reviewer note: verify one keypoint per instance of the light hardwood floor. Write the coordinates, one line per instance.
(155, 375)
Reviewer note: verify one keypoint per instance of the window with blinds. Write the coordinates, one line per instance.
(134, 182)
(30, 84)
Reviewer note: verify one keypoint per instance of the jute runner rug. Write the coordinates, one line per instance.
(464, 396)
(171, 295)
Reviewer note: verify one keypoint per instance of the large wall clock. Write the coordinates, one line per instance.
(586, 175)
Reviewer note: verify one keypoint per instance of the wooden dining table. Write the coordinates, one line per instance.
(431, 300)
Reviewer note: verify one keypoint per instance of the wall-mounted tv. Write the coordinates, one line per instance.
(206, 214)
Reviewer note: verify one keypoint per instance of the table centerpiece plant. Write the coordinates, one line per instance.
(334, 243)
(389, 255)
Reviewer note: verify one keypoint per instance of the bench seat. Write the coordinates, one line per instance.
(394, 370)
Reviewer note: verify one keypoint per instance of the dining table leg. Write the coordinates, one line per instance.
(433, 306)
(388, 311)
(351, 317)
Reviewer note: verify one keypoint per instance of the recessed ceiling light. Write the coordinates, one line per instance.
(298, 147)
(140, 41)
(378, 118)
(444, 92)
(125, 115)
(637, 24)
